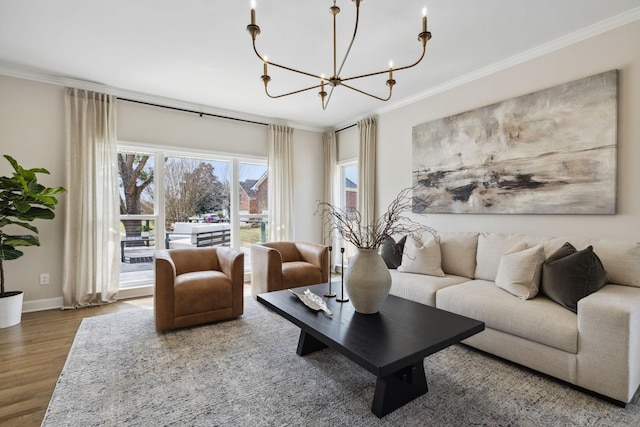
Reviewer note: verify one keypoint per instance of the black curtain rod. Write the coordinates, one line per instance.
(345, 128)
(184, 110)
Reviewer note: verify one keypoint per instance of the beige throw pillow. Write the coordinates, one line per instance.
(520, 270)
(421, 258)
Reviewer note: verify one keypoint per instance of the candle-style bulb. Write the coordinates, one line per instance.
(265, 64)
(424, 19)
(253, 12)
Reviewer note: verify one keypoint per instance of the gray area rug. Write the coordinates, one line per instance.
(245, 372)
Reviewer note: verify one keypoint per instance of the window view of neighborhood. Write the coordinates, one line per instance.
(196, 205)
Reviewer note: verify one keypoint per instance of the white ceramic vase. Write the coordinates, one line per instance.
(368, 281)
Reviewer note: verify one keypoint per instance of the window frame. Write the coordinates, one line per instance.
(160, 153)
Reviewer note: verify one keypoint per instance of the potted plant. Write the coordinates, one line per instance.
(144, 233)
(22, 200)
(367, 278)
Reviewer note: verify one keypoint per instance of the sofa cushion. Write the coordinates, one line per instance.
(421, 287)
(570, 275)
(421, 258)
(540, 319)
(391, 251)
(620, 258)
(491, 247)
(458, 252)
(519, 271)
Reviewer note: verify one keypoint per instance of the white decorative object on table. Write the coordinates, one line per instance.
(313, 301)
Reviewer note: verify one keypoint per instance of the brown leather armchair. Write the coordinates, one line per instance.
(197, 285)
(284, 265)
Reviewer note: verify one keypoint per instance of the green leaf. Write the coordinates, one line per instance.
(22, 207)
(21, 224)
(12, 161)
(48, 201)
(55, 190)
(39, 170)
(8, 253)
(24, 240)
(36, 212)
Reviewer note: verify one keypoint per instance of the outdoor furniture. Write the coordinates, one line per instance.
(134, 241)
(283, 265)
(197, 285)
(195, 234)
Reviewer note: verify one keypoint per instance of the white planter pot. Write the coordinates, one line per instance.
(11, 310)
(368, 281)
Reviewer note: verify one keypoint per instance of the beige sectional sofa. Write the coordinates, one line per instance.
(597, 348)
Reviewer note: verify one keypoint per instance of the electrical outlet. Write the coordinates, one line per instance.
(44, 279)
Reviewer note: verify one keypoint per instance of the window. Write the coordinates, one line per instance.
(349, 187)
(253, 205)
(138, 218)
(200, 199)
(348, 199)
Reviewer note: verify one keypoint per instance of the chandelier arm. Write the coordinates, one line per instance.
(424, 49)
(324, 106)
(283, 66)
(368, 94)
(289, 93)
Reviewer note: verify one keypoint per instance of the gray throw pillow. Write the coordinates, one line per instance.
(391, 251)
(570, 275)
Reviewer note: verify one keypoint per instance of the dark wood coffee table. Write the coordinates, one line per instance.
(391, 344)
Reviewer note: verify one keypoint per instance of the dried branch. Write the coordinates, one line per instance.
(371, 236)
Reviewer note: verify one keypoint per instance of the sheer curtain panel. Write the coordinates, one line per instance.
(330, 184)
(367, 169)
(280, 183)
(91, 250)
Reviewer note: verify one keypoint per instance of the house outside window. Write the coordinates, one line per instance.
(348, 202)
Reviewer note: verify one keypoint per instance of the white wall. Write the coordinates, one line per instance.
(617, 49)
(153, 125)
(32, 131)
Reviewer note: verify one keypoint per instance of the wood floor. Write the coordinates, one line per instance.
(33, 353)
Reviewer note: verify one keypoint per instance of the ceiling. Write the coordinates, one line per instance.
(198, 53)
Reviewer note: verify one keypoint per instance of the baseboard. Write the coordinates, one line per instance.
(141, 291)
(55, 303)
(41, 304)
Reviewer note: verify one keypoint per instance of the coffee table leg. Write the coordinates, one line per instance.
(308, 344)
(399, 388)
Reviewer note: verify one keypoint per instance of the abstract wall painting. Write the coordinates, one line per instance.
(550, 152)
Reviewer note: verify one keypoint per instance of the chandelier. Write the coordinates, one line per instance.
(335, 79)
